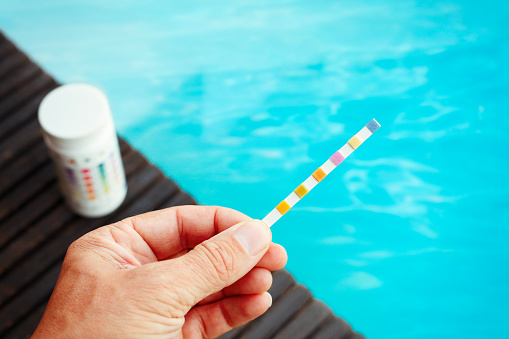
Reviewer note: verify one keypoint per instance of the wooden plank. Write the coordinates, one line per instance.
(16, 79)
(281, 281)
(124, 146)
(179, 199)
(334, 328)
(10, 63)
(27, 110)
(35, 209)
(14, 99)
(15, 144)
(159, 193)
(281, 311)
(33, 237)
(6, 48)
(306, 321)
(27, 189)
(20, 167)
(24, 328)
(133, 161)
(40, 290)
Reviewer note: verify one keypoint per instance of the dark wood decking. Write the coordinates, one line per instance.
(36, 227)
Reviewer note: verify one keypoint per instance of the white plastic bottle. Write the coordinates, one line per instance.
(78, 129)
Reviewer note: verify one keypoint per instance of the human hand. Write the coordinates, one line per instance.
(182, 272)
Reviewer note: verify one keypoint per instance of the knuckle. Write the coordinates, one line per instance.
(79, 249)
(219, 257)
(83, 244)
(74, 247)
(78, 246)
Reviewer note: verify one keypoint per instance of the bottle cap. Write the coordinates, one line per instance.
(74, 115)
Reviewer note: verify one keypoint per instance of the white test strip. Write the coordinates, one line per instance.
(337, 158)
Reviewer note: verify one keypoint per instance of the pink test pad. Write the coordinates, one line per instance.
(337, 158)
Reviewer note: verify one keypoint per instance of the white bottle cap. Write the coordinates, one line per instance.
(74, 115)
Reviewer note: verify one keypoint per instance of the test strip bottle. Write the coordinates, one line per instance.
(78, 129)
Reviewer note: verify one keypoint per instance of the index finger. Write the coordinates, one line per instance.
(174, 229)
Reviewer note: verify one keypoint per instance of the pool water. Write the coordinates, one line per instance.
(240, 101)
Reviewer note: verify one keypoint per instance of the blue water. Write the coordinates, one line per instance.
(239, 101)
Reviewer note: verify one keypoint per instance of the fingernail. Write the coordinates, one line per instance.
(254, 236)
(270, 298)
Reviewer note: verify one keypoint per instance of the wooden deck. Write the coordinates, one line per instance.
(36, 227)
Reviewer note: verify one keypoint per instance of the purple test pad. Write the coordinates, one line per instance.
(337, 158)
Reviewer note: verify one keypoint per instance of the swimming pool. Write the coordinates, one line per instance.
(240, 100)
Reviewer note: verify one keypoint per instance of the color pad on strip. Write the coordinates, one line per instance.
(301, 191)
(319, 174)
(283, 207)
(373, 125)
(337, 158)
(354, 142)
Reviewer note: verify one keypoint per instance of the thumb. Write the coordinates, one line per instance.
(220, 261)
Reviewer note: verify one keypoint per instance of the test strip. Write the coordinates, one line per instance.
(337, 158)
